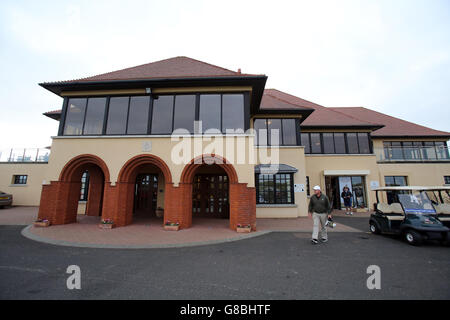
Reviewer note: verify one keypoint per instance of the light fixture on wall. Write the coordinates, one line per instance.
(148, 90)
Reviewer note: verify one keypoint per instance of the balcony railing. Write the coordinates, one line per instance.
(413, 154)
(25, 155)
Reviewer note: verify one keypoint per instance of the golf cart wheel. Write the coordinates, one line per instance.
(413, 237)
(374, 228)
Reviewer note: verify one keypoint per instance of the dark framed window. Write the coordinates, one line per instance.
(352, 143)
(446, 179)
(316, 143)
(274, 188)
(95, 115)
(304, 137)
(162, 115)
(339, 143)
(209, 112)
(415, 150)
(275, 132)
(117, 115)
(84, 186)
(138, 115)
(328, 143)
(363, 142)
(76, 108)
(233, 112)
(20, 179)
(184, 112)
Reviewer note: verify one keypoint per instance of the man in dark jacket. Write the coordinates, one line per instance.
(319, 209)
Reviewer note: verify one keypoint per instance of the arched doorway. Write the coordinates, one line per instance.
(241, 199)
(142, 190)
(210, 193)
(60, 199)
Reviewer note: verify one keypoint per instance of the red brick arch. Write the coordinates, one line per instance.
(122, 195)
(69, 170)
(242, 199)
(59, 199)
(187, 176)
(129, 167)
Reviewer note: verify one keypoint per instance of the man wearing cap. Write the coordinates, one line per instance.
(319, 208)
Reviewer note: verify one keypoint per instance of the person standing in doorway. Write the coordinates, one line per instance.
(319, 209)
(347, 196)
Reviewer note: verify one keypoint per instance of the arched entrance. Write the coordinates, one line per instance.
(60, 199)
(241, 200)
(143, 185)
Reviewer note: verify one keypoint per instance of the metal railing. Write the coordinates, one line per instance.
(25, 155)
(413, 154)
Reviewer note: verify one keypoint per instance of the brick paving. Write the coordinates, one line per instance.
(149, 231)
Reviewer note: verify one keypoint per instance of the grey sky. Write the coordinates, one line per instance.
(391, 56)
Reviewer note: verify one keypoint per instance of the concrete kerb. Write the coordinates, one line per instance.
(27, 234)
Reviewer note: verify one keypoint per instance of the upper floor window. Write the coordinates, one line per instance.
(415, 151)
(336, 143)
(275, 132)
(160, 114)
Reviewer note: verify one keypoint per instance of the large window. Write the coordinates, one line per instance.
(275, 132)
(415, 150)
(184, 115)
(209, 113)
(162, 115)
(274, 188)
(336, 143)
(159, 114)
(117, 115)
(95, 116)
(232, 112)
(76, 108)
(138, 115)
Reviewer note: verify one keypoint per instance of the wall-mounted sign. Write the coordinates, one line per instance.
(374, 184)
(299, 187)
(146, 146)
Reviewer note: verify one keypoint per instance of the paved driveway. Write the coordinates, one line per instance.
(280, 265)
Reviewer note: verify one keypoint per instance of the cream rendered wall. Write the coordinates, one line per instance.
(23, 195)
(295, 157)
(116, 151)
(316, 164)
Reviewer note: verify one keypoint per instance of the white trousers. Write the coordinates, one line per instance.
(319, 218)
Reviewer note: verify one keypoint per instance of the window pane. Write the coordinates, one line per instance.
(363, 140)
(328, 143)
(117, 115)
(95, 114)
(138, 117)
(162, 115)
(75, 116)
(260, 131)
(209, 112)
(339, 143)
(184, 112)
(352, 143)
(289, 132)
(305, 142)
(232, 111)
(274, 127)
(315, 143)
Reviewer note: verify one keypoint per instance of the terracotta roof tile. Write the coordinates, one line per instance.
(392, 126)
(177, 67)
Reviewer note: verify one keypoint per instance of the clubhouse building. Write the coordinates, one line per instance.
(180, 139)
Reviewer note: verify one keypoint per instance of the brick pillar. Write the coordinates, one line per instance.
(59, 202)
(242, 205)
(178, 204)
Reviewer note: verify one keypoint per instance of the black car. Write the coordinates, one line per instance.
(410, 214)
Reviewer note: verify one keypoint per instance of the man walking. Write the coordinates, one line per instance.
(319, 208)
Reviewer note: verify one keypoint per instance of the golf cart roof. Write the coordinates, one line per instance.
(413, 188)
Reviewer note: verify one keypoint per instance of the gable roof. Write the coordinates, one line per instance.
(177, 67)
(393, 127)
